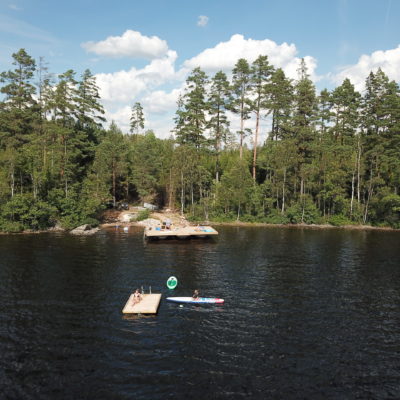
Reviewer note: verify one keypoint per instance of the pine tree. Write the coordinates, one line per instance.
(380, 123)
(345, 109)
(218, 123)
(260, 77)
(146, 160)
(234, 187)
(63, 103)
(18, 116)
(190, 122)
(280, 99)
(90, 110)
(137, 119)
(345, 104)
(324, 111)
(241, 103)
(303, 120)
(374, 125)
(109, 164)
(19, 90)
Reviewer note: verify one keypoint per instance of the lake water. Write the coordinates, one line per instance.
(308, 314)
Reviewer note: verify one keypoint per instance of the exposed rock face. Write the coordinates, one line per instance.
(128, 217)
(57, 228)
(84, 230)
(150, 222)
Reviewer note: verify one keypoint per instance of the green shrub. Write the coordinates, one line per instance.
(229, 217)
(276, 218)
(194, 218)
(11, 226)
(386, 211)
(24, 212)
(339, 220)
(142, 215)
(304, 211)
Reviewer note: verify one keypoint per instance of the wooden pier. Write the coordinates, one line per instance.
(179, 232)
(148, 305)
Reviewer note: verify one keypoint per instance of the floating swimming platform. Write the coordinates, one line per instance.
(148, 305)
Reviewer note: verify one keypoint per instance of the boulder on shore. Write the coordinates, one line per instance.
(84, 230)
(150, 222)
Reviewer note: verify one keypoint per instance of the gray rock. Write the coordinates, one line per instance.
(84, 230)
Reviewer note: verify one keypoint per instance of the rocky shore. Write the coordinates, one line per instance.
(126, 218)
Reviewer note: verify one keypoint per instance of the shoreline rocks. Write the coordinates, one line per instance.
(84, 230)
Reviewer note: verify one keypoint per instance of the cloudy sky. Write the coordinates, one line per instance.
(143, 51)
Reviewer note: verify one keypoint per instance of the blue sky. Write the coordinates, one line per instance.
(143, 51)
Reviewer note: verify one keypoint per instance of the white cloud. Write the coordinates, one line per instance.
(225, 55)
(121, 117)
(157, 86)
(202, 20)
(161, 102)
(130, 44)
(388, 61)
(161, 125)
(126, 86)
(292, 66)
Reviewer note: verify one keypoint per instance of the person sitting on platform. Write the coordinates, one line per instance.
(137, 296)
(196, 295)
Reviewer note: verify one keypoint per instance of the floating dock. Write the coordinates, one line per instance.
(148, 305)
(177, 232)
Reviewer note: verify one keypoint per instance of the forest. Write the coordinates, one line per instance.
(329, 158)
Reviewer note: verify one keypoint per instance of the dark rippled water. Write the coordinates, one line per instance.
(309, 314)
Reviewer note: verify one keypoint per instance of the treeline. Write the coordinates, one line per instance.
(331, 157)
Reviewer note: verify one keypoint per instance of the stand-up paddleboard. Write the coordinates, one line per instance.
(199, 300)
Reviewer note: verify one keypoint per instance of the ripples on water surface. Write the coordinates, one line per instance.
(309, 314)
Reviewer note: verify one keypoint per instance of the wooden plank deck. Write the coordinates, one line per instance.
(148, 305)
(180, 232)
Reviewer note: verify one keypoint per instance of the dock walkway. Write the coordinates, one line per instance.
(148, 305)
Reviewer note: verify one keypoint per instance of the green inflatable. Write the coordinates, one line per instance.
(172, 282)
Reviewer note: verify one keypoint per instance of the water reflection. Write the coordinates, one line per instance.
(308, 314)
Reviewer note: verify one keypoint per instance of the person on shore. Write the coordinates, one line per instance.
(196, 295)
(137, 296)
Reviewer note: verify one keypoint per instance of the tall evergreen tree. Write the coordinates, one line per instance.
(324, 111)
(261, 71)
(18, 115)
(345, 110)
(109, 163)
(304, 116)
(241, 103)
(18, 88)
(137, 118)
(146, 159)
(191, 115)
(280, 99)
(90, 110)
(345, 103)
(218, 102)
(380, 111)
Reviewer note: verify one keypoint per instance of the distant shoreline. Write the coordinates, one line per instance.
(302, 226)
(232, 224)
(269, 225)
